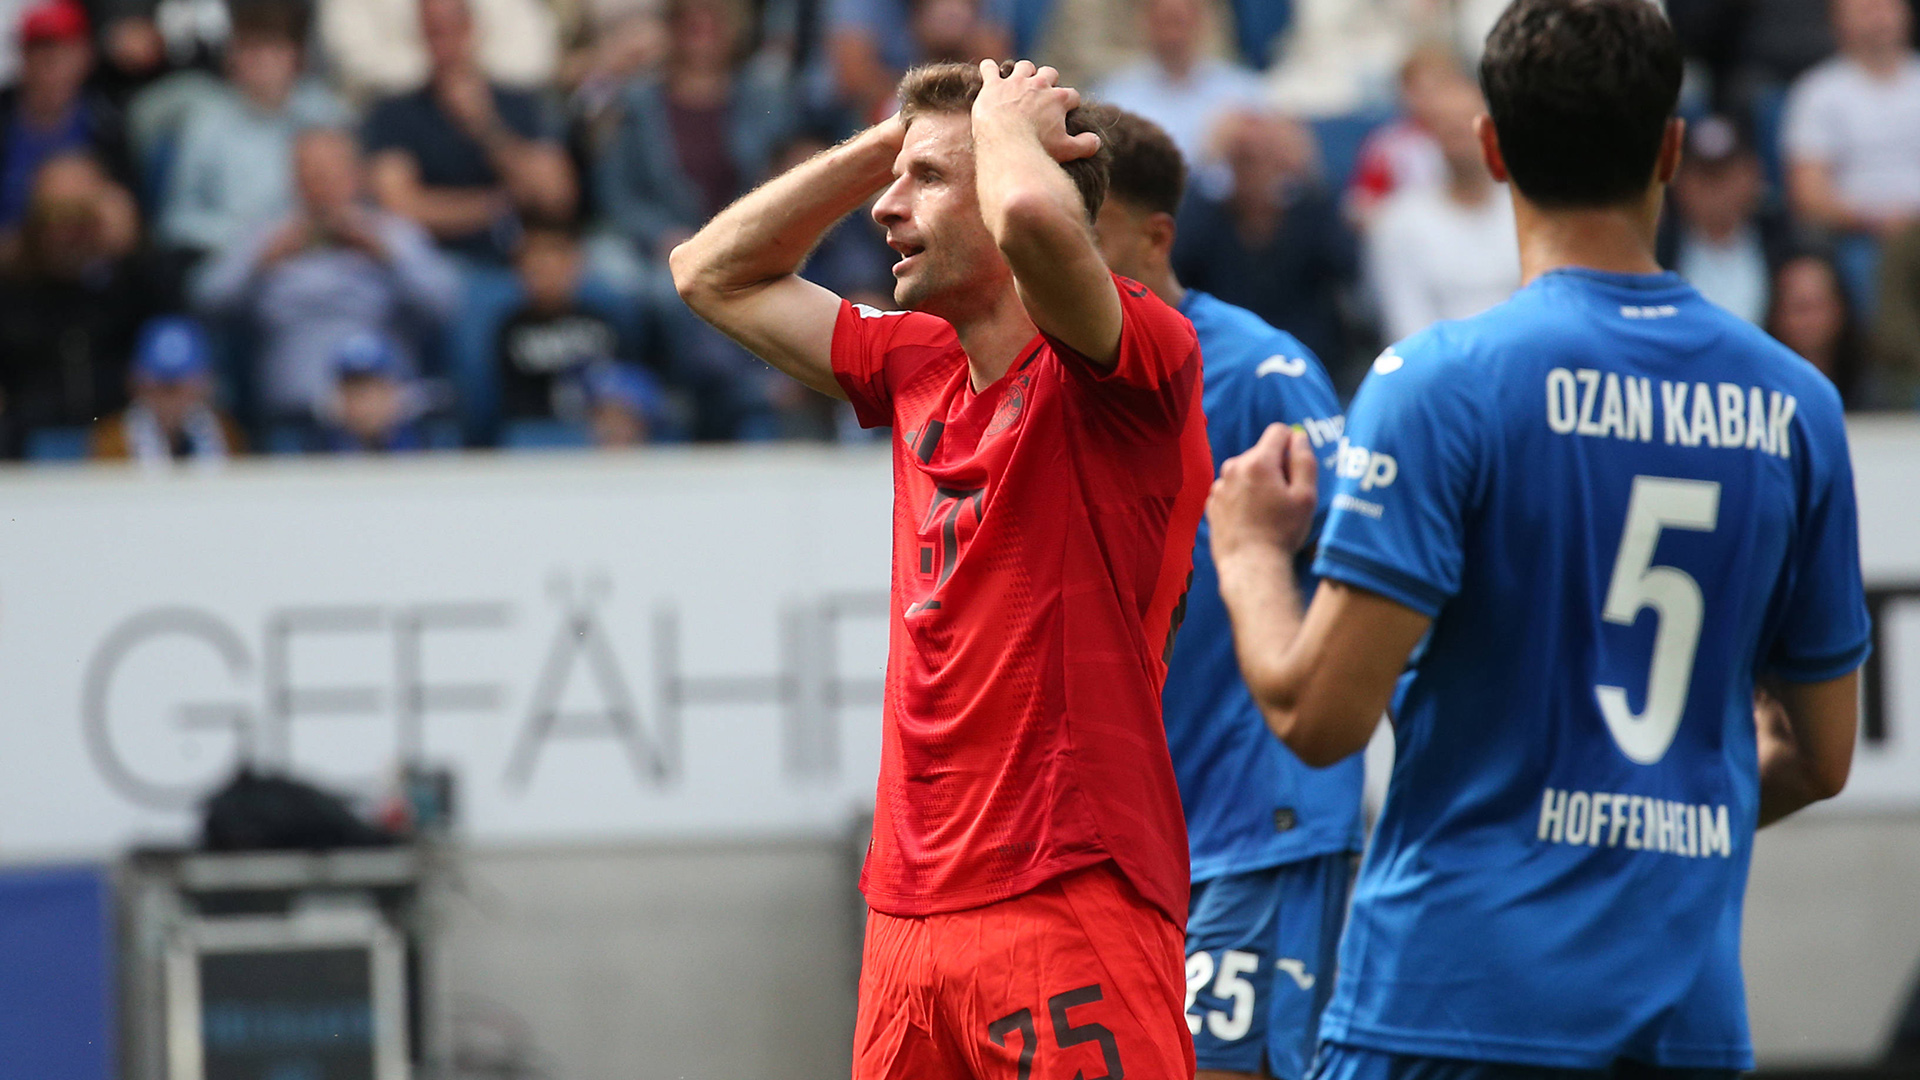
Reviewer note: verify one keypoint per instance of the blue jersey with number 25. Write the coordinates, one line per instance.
(1249, 803)
(1619, 504)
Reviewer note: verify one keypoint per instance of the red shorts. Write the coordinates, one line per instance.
(1079, 978)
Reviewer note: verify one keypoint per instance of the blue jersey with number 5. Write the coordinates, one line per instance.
(1619, 504)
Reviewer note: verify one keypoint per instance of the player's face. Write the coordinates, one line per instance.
(931, 212)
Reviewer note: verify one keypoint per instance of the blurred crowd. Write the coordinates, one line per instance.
(390, 225)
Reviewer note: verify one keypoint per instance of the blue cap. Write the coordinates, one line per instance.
(365, 354)
(634, 389)
(171, 348)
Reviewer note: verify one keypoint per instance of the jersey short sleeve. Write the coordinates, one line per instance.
(1406, 473)
(870, 349)
(1291, 387)
(1824, 629)
(1154, 371)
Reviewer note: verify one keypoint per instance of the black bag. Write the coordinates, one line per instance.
(277, 813)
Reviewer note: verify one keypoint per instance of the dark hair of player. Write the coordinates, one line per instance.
(951, 88)
(1147, 171)
(1580, 92)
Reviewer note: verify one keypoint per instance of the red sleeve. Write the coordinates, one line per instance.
(1158, 361)
(865, 343)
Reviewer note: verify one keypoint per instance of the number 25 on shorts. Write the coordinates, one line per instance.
(1065, 1034)
(1231, 985)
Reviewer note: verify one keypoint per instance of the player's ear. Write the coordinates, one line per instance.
(1673, 143)
(1160, 229)
(1490, 148)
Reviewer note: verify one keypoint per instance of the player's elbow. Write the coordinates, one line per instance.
(1825, 779)
(1316, 736)
(1316, 750)
(1293, 727)
(693, 278)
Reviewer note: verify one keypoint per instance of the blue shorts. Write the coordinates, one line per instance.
(1260, 963)
(1338, 1062)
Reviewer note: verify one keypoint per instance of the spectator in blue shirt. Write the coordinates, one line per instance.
(49, 112)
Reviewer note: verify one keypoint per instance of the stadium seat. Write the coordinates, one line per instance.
(57, 444)
(442, 433)
(544, 435)
(285, 439)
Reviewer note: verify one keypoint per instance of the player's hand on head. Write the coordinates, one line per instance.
(893, 130)
(1265, 497)
(1033, 96)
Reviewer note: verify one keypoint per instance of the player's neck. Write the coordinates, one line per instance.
(1615, 239)
(1164, 285)
(993, 338)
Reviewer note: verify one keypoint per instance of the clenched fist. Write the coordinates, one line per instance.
(1265, 497)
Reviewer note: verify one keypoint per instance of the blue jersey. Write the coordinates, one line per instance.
(1619, 504)
(1250, 804)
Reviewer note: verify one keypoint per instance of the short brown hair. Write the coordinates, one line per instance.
(951, 87)
(280, 20)
(1147, 169)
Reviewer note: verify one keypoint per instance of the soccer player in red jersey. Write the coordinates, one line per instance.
(1028, 872)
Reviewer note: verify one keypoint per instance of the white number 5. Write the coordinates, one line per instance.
(1657, 503)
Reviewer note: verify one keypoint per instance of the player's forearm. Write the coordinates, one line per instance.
(1038, 219)
(1785, 789)
(1263, 604)
(1027, 200)
(1789, 781)
(766, 234)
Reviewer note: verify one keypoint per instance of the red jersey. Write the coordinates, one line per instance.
(1042, 544)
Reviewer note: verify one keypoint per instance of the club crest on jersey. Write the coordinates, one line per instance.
(1012, 404)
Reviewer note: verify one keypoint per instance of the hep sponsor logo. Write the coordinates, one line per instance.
(1372, 469)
